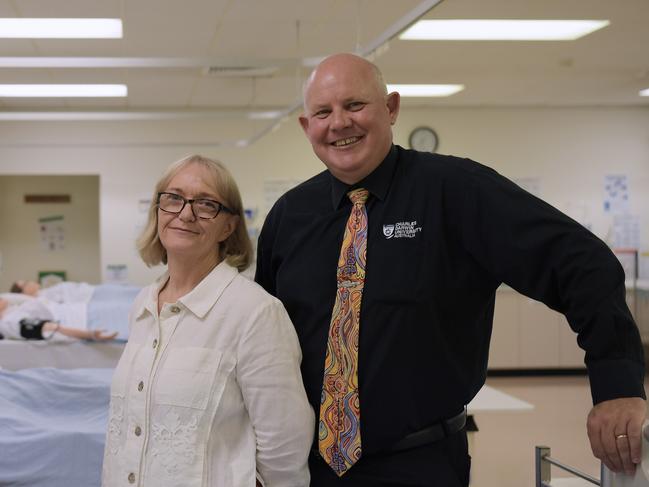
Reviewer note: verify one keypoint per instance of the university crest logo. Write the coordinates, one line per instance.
(388, 231)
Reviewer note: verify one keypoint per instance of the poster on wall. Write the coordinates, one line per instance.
(626, 231)
(50, 278)
(276, 187)
(142, 214)
(116, 274)
(52, 232)
(616, 194)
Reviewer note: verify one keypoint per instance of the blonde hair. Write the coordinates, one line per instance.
(236, 250)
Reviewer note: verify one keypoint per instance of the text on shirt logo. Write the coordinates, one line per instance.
(401, 230)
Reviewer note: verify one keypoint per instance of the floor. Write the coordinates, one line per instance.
(503, 448)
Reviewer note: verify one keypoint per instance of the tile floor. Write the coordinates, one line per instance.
(503, 448)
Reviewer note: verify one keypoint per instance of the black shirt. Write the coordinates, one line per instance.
(443, 234)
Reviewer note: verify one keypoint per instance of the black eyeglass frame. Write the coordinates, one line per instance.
(221, 206)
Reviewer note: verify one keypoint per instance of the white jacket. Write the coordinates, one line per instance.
(210, 392)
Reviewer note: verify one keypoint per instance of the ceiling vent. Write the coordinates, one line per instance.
(240, 71)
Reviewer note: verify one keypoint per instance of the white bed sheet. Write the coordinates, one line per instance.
(61, 354)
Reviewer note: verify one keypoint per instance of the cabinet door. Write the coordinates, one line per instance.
(539, 335)
(570, 355)
(504, 351)
(642, 318)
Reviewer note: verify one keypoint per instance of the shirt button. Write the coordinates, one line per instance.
(155, 342)
(140, 386)
(131, 478)
(138, 431)
(175, 309)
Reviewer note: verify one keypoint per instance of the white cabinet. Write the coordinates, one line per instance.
(529, 335)
(504, 352)
(539, 335)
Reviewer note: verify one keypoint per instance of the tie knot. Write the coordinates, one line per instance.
(358, 196)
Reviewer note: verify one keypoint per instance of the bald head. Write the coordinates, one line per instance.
(348, 116)
(348, 63)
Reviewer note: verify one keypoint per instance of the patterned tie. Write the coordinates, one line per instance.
(339, 430)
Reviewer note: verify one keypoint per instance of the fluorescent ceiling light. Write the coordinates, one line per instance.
(267, 115)
(61, 28)
(425, 90)
(109, 115)
(67, 91)
(502, 30)
(644, 92)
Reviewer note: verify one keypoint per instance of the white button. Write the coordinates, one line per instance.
(140, 386)
(131, 478)
(138, 431)
(175, 309)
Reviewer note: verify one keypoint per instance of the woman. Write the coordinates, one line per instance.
(208, 391)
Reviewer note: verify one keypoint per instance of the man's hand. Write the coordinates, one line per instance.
(615, 430)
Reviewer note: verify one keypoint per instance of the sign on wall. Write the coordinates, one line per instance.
(52, 232)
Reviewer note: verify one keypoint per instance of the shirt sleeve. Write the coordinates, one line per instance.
(268, 372)
(542, 253)
(10, 323)
(9, 327)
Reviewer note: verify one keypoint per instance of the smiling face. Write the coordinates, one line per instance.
(183, 235)
(348, 116)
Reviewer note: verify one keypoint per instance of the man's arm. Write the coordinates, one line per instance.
(543, 254)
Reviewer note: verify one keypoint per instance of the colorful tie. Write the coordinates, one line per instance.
(339, 430)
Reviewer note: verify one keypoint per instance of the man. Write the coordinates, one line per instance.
(410, 274)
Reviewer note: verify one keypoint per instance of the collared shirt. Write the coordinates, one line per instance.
(209, 391)
(68, 292)
(31, 308)
(443, 234)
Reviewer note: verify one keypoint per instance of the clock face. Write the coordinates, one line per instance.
(423, 139)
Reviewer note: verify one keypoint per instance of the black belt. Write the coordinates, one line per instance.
(433, 433)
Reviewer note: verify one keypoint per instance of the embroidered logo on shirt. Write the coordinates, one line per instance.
(388, 231)
(401, 230)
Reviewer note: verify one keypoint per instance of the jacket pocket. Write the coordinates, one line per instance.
(190, 376)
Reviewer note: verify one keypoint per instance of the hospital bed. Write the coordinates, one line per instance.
(107, 308)
(54, 397)
(61, 354)
(53, 426)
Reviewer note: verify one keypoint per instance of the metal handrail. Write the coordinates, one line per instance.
(544, 461)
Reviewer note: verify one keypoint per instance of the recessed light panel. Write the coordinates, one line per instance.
(425, 90)
(60, 28)
(65, 91)
(501, 30)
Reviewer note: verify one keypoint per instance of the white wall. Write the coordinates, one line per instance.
(23, 254)
(569, 149)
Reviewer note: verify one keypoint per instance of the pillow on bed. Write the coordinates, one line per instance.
(16, 298)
